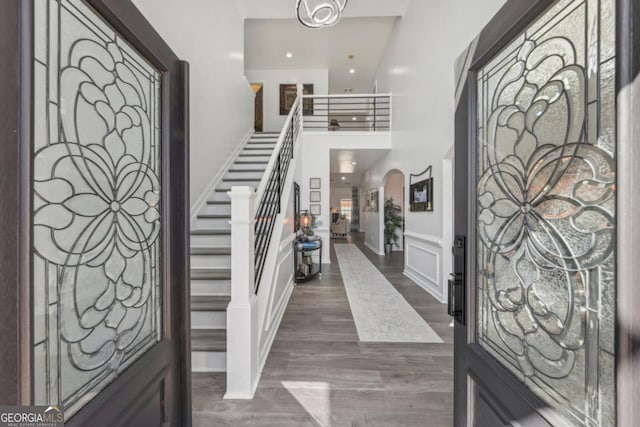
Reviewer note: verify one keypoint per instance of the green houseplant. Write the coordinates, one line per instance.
(392, 222)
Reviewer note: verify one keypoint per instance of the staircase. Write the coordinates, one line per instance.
(211, 256)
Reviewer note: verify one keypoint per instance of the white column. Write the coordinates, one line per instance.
(242, 318)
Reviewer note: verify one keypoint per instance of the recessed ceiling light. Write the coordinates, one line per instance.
(289, 55)
(353, 118)
(343, 178)
(352, 71)
(353, 163)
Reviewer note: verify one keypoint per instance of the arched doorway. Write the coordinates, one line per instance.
(392, 207)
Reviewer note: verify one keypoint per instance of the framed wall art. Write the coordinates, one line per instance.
(315, 209)
(421, 192)
(296, 205)
(314, 183)
(288, 93)
(372, 200)
(314, 196)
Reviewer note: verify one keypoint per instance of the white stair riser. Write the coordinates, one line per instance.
(221, 196)
(210, 261)
(217, 209)
(209, 361)
(253, 158)
(243, 166)
(208, 320)
(211, 241)
(209, 223)
(253, 183)
(253, 175)
(211, 287)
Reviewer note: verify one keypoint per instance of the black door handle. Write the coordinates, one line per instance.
(456, 291)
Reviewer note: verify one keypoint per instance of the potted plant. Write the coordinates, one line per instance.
(392, 222)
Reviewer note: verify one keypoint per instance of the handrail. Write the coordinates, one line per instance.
(350, 95)
(270, 190)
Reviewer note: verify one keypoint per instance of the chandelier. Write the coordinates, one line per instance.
(319, 13)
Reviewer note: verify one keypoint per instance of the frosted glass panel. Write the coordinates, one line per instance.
(546, 210)
(97, 208)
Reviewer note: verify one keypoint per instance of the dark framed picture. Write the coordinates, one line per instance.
(421, 196)
(314, 183)
(288, 93)
(372, 200)
(314, 196)
(296, 205)
(315, 209)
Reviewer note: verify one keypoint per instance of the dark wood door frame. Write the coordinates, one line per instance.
(168, 362)
(628, 268)
(471, 360)
(259, 108)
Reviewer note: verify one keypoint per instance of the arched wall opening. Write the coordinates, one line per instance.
(393, 183)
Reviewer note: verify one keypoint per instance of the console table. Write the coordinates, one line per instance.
(304, 266)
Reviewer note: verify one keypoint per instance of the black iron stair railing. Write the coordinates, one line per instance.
(269, 204)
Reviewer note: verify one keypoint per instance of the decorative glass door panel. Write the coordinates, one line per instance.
(545, 218)
(97, 209)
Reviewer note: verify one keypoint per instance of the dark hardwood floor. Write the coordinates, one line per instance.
(320, 374)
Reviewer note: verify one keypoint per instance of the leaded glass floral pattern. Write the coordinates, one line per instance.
(546, 209)
(97, 207)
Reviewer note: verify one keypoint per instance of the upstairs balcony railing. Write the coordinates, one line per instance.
(344, 113)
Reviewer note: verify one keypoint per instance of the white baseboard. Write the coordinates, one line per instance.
(373, 249)
(195, 209)
(266, 348)
(425, 284)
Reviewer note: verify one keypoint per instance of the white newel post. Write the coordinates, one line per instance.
(242, 319)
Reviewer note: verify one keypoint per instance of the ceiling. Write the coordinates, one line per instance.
(341, 162)
(271, 31)
(285, 9)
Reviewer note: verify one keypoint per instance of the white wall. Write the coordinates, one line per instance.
(210, 36)
(271, 80)
(422, 84)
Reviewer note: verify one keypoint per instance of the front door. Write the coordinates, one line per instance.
(94, 165)
(537, 222)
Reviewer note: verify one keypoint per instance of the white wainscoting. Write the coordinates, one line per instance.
(280, 292)
(423, 264)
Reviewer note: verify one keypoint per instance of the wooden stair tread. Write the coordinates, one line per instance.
(210, 251)
(214, 216)
(211, 232)
(208, 340)
(210, 302)
(211, 274)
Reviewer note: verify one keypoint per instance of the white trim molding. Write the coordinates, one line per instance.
(429, 280)
(374, 249)
(436, 241)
